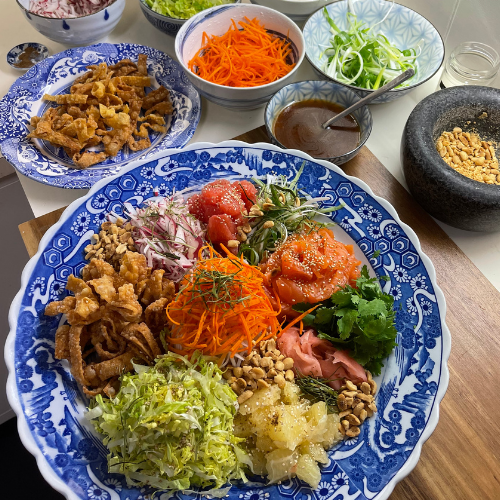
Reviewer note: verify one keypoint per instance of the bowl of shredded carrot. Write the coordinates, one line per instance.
(240, 55)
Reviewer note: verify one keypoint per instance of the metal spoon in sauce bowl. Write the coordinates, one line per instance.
(382, 90)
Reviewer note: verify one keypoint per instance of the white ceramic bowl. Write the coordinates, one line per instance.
(76, 31)
(298, 10)
(216, 21)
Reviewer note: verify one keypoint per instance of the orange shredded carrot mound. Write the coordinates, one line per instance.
(240, 317)
(249, 57)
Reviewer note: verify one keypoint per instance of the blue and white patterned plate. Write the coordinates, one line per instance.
(50, 405)
(48, 164)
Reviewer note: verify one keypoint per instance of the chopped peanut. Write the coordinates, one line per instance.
(356, 404)
(468, 155)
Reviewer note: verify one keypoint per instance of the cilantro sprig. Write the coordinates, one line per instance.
(357, 319)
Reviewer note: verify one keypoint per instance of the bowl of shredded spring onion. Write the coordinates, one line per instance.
(169, 15)
(365, 44)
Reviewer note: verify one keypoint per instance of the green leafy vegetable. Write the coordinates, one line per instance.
(364, 59)
(359, 320)
(182, 9)
(171, 426)
(282, 205)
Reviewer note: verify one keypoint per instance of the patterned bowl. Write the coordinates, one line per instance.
(76, 31)
(43, 162)
(168, 25)
(50, 405)
(323, 90)
(403, 27)
(216, 21)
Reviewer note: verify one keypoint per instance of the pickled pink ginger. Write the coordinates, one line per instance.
(319, 358)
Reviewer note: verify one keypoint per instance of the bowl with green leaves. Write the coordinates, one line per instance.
(169, 15)
(365, 44)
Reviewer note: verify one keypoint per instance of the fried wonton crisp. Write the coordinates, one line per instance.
(109, 324)
(99, 116)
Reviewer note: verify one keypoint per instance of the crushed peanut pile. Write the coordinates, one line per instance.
(264, 366)
(110, 245)
(356, 404)
(468, 155)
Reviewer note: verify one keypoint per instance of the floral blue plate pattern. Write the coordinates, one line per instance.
(48, 164)
(50, 405)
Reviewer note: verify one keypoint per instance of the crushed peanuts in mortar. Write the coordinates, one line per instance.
(468, 155)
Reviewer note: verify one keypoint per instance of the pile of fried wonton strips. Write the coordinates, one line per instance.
(113, 317)
(104, 107)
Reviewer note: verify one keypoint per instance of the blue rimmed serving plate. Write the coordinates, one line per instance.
(50, 405)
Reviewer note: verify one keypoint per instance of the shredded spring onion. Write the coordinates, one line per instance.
(361, 58)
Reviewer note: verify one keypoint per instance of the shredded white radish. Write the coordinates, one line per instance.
(167, 234)
(67, 8)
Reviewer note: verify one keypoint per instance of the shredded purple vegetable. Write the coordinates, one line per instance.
(168, 235)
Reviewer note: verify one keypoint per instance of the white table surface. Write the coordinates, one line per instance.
(218, 124)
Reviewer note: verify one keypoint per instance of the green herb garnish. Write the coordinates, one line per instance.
(286, 208)
(358, 56)
(317, 389)
(217, 288)
(359, 320)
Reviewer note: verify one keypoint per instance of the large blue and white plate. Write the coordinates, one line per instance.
(43, 162)
(51, 407)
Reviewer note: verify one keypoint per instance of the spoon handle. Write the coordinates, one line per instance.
(373, 95)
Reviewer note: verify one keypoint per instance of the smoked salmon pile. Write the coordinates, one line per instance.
(309, 267)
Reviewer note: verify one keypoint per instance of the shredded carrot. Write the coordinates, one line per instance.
(249, 57)
(221, 308)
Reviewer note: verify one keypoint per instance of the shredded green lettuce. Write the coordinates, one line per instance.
(171, 427)
(183, 9)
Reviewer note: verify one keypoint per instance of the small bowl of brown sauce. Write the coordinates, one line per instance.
(25, 55)
(295, 114)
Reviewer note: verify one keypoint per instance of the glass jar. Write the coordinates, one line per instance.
(471, 63)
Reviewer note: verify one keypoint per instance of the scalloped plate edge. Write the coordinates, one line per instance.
(12, 396)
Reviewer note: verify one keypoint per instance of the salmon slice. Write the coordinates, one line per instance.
(309, 267)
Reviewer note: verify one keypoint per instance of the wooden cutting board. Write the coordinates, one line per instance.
(461, 460)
